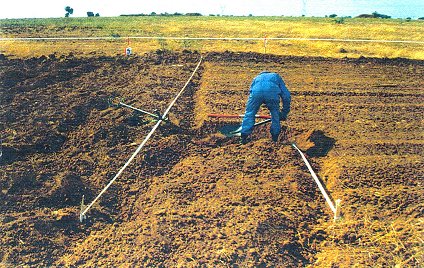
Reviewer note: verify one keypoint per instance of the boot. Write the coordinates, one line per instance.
(243, 139)
(275, 137)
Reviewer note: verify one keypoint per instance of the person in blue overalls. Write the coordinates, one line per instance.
(266, 88)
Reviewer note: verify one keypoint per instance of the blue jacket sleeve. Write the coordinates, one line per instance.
(285, 96)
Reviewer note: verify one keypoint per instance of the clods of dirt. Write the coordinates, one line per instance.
(315, 143)
(66, 191)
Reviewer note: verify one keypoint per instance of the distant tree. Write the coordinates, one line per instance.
(375, 14)
(332, 16)
(422, 18)
(365, 16)
(97, 15)
(378, 15)
(129, 15)
(339, 20)
(69, 10)
(90, 14)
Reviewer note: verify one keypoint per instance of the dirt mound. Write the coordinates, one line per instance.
(229, 56)
(315, 143)
(225, 205)
(66, 191)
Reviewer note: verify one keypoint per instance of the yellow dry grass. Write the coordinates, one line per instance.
(216, 27)
(361, 242)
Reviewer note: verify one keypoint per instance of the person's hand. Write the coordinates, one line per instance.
(283, 117)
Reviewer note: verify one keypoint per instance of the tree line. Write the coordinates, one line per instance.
(70, 11)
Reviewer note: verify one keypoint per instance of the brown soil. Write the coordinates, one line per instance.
(194, 197)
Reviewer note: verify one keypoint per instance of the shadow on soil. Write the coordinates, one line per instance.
(322, 144)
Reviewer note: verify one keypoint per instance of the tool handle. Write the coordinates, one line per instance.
(236, 116)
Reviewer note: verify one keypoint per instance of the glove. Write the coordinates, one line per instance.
(283, 117)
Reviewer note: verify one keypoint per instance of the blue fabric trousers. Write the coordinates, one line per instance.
(252, 107)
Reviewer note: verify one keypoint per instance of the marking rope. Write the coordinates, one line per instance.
(334, 208)
(212, 38)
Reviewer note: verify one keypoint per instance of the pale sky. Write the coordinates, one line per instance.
(56, 8)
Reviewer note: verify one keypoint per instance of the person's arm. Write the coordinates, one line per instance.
(251, 85)
(285, 96)
(286, 104)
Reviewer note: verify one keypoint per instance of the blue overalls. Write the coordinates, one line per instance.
(266, 88)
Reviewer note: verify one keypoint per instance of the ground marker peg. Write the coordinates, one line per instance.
(128, 50)
(82, 216)
(338, 210)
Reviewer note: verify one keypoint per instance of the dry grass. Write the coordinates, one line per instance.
(254, 27)
(359, 243)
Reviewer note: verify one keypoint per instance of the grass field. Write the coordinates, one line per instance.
(118, 28)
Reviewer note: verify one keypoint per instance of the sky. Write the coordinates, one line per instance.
(107, 8)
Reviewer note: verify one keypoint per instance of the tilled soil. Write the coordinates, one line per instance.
(193, 197)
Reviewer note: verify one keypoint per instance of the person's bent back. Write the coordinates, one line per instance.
(266, 88)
